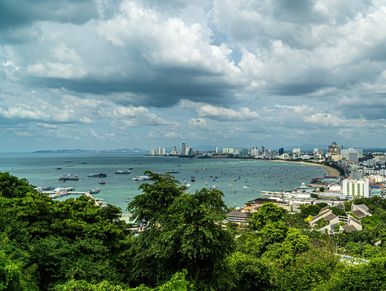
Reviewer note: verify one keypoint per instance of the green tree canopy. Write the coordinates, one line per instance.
(269, 212)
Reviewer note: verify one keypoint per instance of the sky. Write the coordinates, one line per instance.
(105, 74)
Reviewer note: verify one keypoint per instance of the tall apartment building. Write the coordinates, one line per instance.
(356, 188)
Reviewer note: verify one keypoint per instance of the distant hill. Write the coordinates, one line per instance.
(71, 151)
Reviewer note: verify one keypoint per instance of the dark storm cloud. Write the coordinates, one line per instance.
(164, 91)
(14, 13)
(297, 89)
(296, 11)
(370, 107)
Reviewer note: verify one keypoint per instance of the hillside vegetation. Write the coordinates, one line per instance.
(185, 245)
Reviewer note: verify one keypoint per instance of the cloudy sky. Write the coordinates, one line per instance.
(106, 74)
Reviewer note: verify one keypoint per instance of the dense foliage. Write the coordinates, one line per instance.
(183, 244)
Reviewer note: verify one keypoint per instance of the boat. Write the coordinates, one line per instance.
(122, 171)
(102, 182)
(141, 178)
(95, 191)
(68, 178)
(58, 168)
(173, 172)
(46, 188)
(97, 175)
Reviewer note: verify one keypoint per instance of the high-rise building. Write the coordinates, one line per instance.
(174, 151)
(229, 151)
(318, 153)
(254, 152)
(352, 155)
(356, 188)
(244, 152)
(334, 149)
(281, 151)
(334, 152)
(296, 153)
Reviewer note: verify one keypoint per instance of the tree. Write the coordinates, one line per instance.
(177, 282)
(269, 212)
(248, 272)
(307, 270)
(12, 276)
(306, 210)
(371, 276)
(156, 197)
(191, 236)
(11, 186)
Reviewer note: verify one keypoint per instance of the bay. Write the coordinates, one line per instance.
(239, 180)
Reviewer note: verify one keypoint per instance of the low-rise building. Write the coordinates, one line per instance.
(327, 215)
(238, 217)
(360, 210)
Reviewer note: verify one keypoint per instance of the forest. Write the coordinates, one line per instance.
(185, 244)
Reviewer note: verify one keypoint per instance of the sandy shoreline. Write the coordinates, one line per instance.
(331, 172)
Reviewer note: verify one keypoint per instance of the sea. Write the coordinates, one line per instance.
(239, 180)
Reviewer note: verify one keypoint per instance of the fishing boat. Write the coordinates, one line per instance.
(102, 182)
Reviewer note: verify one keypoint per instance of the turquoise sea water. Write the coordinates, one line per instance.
(240, 180)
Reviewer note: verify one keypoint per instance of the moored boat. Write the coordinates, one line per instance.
(68, 178)
(122, 171)
(95, 191)
(97, 175)
(141, 178)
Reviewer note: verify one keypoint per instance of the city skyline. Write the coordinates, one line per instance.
(102, 74)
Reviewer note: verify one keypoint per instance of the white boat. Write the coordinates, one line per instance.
(123, 171)
(141, 178)
(95, 191)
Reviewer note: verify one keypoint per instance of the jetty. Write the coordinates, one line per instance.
(54, 195)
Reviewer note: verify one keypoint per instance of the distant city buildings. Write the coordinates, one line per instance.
(364, 173)
(158, 152)
(352, 155)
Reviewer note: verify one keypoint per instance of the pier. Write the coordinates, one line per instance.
(55, 195)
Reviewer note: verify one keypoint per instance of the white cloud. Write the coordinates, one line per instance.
(226, 114)
(137, 116)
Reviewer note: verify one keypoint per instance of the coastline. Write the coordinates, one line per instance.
(331, 172)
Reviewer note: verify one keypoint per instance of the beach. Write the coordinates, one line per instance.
(331, 172)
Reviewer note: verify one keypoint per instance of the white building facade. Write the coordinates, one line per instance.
(356, 188)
